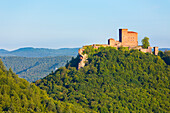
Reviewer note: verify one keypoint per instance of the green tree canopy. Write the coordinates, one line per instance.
(113, 81)
(19, 96)
(145, 42)
(165, 56)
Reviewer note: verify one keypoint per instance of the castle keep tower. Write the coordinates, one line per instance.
(128, 38)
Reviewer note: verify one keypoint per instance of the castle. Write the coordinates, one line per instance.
(126, 39)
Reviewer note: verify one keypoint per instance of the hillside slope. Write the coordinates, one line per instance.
(18, 96)
(33, 69)
(113, 81)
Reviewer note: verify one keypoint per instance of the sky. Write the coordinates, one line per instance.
(74, 23)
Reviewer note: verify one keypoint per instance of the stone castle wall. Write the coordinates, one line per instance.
(128, 38)
(156, 50)
(149, 50)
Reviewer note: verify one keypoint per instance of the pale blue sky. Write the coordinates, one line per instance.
(74, 23)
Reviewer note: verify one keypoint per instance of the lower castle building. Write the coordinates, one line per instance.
(126, 39)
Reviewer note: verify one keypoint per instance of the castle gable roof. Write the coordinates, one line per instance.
(131, 32)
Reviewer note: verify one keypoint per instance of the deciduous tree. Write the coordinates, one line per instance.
(145, 43)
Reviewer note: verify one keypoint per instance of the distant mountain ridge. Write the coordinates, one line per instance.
(39, 52)
(163, 49)
(34, 63)
(45, 52)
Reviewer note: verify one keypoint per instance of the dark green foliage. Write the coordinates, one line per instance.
(2, 67)
(165, 56)
(33, 69)
(145, 43)
(113, 81)
(73, 62)
(19, 96)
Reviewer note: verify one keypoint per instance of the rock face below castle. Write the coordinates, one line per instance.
(126, 39)
(83, 58)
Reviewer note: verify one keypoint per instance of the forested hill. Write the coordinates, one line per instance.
(19, 96)
(113, 81)
(35, 68)
(39, 52)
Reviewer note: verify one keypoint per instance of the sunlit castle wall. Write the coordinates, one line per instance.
(128, 38)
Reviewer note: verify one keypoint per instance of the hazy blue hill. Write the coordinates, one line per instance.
(39, 52)
(163, 49)
(34, 63)
(34, 68)
(4, 52)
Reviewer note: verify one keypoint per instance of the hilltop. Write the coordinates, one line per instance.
(112, 81)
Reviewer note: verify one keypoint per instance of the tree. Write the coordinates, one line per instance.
(145, 43)
(161, 54)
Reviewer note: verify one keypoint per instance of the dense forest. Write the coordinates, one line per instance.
(19, 96)
(33, 69)
(113, 81)
(165, 56)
